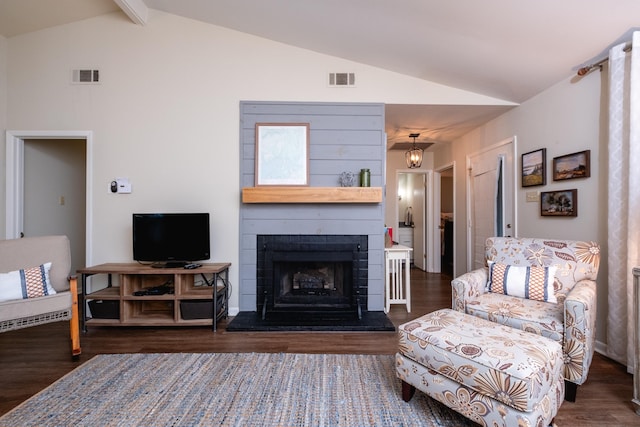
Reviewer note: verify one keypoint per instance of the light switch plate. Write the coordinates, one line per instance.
(533, 196)
(124, 186)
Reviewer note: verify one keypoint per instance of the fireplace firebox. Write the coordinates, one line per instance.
(317, 275)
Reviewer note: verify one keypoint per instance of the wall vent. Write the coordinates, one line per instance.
(85, 76)
(342, 79)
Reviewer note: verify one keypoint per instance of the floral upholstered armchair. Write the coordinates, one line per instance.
(543, 286)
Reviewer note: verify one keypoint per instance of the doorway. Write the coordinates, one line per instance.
(446, 218)
(410, 213)
(490, 198)
(416, 213)
(47, 189)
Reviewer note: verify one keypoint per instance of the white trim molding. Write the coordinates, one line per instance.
(136, 10)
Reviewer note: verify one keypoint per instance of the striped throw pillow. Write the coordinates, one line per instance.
(31, 282)
(528, 282)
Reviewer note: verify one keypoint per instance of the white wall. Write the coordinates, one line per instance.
(564, 119)
(166, 114)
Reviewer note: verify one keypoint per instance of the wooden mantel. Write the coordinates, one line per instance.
(312, 195)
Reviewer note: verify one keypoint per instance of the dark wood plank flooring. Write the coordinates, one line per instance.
(33, 358)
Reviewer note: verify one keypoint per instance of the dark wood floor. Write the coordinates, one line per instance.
(33, 358)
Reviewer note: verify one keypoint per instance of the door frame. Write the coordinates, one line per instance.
(513, 141)
(14, 186)
(432, 265)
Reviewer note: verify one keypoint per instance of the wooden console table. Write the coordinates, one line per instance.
(132, 303)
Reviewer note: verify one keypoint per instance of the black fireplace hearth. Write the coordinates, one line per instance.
(311, 282)
(251, 321)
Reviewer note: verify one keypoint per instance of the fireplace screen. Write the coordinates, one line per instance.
(310, 285)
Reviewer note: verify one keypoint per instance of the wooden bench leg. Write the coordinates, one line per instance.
(75, 318)
(407, 391)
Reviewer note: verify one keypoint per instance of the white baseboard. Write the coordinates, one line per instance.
(601, 348)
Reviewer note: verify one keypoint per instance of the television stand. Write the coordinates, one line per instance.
(198, 296)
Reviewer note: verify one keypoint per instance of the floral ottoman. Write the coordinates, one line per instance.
(492, 374)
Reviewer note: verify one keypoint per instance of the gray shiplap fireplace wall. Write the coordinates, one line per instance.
(343, 137)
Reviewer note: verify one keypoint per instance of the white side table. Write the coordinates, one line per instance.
(397, 280)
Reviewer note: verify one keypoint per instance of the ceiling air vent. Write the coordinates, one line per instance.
(342, 79)
(85, 76)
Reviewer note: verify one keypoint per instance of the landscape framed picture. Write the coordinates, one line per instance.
(559, 203)
(533, 168)
(574, 165)
(282, 154)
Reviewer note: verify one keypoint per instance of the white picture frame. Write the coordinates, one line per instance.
(282, 154)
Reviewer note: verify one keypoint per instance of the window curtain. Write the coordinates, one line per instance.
(624, 198)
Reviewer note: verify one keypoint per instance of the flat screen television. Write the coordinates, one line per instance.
(170, 239)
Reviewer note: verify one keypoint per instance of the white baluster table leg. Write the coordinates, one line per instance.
(397, 285)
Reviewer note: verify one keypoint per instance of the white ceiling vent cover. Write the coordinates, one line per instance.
(85, 77)
(342, 79)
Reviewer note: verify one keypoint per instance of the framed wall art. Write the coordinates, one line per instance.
(533, 168)
(282, 154)
(559, 203)
(570, 166)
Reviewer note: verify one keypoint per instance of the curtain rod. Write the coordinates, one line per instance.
(589, 68)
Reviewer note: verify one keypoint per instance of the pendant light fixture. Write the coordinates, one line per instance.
(414, 155)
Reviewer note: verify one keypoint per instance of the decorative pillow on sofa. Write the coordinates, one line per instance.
(28, 283)
(528, 282)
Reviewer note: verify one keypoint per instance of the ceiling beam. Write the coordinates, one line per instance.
(136, 10)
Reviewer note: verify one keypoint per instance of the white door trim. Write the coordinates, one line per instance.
(14, 196)
(430, 225)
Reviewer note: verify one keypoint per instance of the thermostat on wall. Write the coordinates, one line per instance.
(120, 185)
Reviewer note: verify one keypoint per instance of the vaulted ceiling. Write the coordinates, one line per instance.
(505, 49)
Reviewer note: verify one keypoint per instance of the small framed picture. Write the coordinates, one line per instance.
(282, 154)
(559, 203)
(570, 166)
(533, 168)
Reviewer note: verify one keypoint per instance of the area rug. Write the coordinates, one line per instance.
(231, 389)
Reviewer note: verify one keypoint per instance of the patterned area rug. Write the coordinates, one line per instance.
(231, 389)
